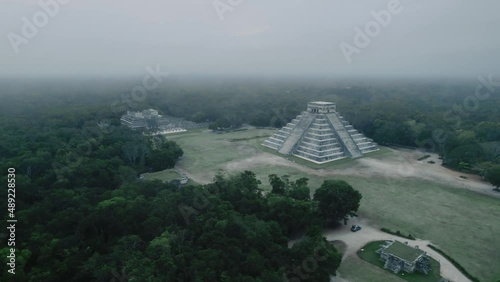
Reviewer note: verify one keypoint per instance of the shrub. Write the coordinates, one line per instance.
(424, 157)
(398, 233)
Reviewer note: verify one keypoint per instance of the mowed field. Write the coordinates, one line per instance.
(165, 175)
(462, 222)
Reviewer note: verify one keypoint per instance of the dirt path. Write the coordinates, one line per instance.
(398, 164)
(357, 240)
(401, 164)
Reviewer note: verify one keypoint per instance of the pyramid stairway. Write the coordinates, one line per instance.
(320, 135)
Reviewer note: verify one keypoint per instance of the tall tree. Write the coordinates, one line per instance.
(299, 190)
(493, 176)
(337, 200)
(313, 259)
(277, 184)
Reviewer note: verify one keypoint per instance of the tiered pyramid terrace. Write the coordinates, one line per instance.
(320, 135)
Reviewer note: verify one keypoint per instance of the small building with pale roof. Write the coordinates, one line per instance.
(401, 257)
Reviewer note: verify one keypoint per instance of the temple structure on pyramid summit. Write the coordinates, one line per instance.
(320, 135)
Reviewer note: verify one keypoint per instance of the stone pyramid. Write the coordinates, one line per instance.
(320, 135)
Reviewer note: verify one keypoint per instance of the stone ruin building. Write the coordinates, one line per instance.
(401, 257)
(146, 119)
(150, 120)
(320, 135)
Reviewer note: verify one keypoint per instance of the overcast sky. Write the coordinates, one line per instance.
(103, 37)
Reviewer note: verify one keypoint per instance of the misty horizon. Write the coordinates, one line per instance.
(250, 38)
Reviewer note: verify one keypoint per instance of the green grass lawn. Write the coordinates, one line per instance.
(462, 223)
(207, 151)
(164, 175)
(167, 175)
(355, 269)
(368, 254)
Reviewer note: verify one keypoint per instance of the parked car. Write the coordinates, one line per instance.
(355, 228)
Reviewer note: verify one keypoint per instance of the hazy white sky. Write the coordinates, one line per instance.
(102, 37)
